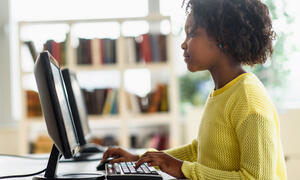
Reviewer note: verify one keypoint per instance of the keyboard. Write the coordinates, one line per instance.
(126, 170)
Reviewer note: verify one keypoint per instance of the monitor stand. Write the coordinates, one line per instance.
(52, 166)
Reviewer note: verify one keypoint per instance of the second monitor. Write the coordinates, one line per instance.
(79, 112)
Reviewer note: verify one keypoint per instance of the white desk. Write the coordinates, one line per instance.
(16, 166)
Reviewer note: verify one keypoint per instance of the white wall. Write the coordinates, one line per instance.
(5, 59)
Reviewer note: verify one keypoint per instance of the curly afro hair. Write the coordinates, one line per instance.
(243, 27)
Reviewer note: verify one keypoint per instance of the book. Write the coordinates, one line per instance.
(133, 103)
(154, 105)
(144, 103)
(154, 47)
(107, 104)
(114, 51)
(146, 49)
(100, 95)
(56, 51)
(114, 102)
(164, 103)
(138, 48)
(162, 48)
(63, 53)
(32, 49)
(87, 100)
(102, 49)
(130, 50)
(88, 51)
(83, 52)
(33, 104)
(96, 51)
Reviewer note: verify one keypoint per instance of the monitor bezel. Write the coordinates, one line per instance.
(83, 138)
(55, 124)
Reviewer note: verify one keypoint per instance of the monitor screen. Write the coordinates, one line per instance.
(64, 105)
(77, 105)
(55, 105)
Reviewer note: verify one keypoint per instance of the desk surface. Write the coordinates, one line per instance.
(17, 166)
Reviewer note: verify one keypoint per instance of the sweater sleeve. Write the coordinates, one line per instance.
(185, 153)
(256, 135)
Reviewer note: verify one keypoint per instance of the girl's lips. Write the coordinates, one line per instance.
(186, 59)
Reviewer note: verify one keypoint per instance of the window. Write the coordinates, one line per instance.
(286, 23)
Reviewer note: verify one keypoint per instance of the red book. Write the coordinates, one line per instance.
(156, 100)
(146, 49)
(56, 51)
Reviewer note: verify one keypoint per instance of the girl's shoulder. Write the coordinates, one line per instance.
(250, 95)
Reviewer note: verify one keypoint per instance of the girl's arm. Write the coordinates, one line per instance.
(258, 140)
(185, 153)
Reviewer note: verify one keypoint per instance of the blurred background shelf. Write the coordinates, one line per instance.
(136, 72)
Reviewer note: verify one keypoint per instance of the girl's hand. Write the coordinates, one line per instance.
(165, 162)
(119, 154)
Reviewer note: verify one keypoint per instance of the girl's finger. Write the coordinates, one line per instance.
(142, 161)
(117, 160)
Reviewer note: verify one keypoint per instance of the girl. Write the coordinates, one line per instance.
(238, 137)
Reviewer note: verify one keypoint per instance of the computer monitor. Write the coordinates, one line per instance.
(58, 116)
(78, 106)
(80, 116)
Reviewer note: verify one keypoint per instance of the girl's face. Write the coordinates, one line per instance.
(200, 51)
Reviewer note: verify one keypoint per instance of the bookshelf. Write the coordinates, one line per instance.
(125, 121)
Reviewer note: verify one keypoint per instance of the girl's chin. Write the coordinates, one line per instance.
(191, 68)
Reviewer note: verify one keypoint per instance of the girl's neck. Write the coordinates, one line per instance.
(225, 72)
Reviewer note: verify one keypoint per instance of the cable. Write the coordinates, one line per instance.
(25, 157)
(46, 158)
(24, 175)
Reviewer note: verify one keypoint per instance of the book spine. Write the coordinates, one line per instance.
(79, 51)
(162, 48)
(154, 105)
(32, 49)
(102, 50)
(107, 104)
(138, 49)
(96, 52)
(146, 48)
(164, 104)
(89, 51)
(114, 102)
(114, 51)
(154, 47)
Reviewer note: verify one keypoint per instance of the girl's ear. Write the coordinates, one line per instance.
(222, 46)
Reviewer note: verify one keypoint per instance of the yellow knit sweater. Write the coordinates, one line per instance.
(238, 136)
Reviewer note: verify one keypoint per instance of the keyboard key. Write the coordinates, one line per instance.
(152, 170)
(123, 164)
(125, 169)
(140, 170)
(132, 169)
(145, 169)
(110, 169)
(117, 168)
